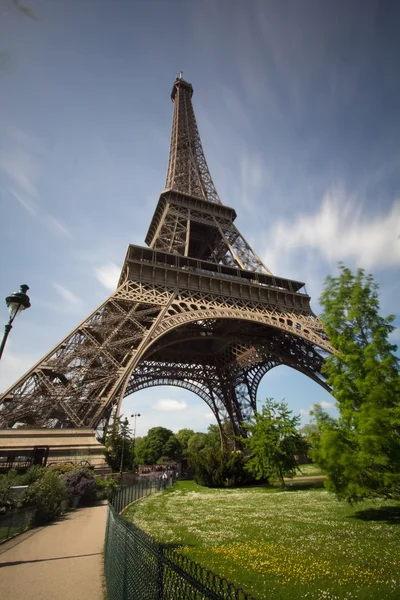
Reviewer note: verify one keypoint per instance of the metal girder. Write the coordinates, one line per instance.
(90, 370)
(187, 168)
(198, 309)
(188, 174)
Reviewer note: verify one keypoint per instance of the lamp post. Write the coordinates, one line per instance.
(124, 430)
(16, 303)
(134, 435)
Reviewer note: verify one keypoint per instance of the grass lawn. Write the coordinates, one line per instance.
(309, 470)
(281, 544)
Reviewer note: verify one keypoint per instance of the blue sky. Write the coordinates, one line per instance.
(298, 109)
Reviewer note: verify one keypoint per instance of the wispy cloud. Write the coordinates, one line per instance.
(19, 162)
(108, 275)
(59, 227)
(71, 299)
(170, 405)
(21, 170)
(339, 230)
(29, 205)
(20, 166)
(252, 176)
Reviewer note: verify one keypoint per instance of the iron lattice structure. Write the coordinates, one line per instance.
(196, 309)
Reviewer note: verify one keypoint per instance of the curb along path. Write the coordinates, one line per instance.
(62, 560)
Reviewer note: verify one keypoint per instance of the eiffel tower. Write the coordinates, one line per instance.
(196, 308)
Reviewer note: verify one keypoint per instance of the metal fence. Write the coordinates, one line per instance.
(137, 567)
(126, 495)
(16, 521)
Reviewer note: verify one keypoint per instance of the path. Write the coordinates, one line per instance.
(62, 560)
(305, 479)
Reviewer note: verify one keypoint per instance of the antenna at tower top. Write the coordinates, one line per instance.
(180, 75)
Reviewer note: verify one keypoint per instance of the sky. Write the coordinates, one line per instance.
(298, 109)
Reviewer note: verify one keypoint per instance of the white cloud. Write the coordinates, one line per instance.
(108, 275)
(325, 404)
(170, 405)
(67, 295)
(339, 230)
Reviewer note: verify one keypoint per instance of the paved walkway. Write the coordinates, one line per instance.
(62, 560)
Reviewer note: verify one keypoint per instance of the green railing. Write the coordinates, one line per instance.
(138, 567)
(16, 521)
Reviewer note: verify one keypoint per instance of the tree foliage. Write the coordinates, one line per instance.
(150, 448)
(173, 448)
(360, 451)
(46, 494)
(117, 442)
(161, 445)
(273, 442)
(214, 466)
(184, 436)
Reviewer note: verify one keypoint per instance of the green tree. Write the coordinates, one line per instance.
(214, 466)
(359, 451)
(173, 448)
(150, 448)
(141, 451)
(196, 443)
(273, 442)
(184, 435)
(311, 435)
(117, 442)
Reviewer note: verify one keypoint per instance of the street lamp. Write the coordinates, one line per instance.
(16, 303)
(134, 424)
(134, 435)
(124, 430)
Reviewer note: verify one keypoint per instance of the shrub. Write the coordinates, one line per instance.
(62, 468)
(214, 468)
(106, 486)
(46, 494)
(12, 477)
(33, 474)
(6, 499)
(80, 483)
